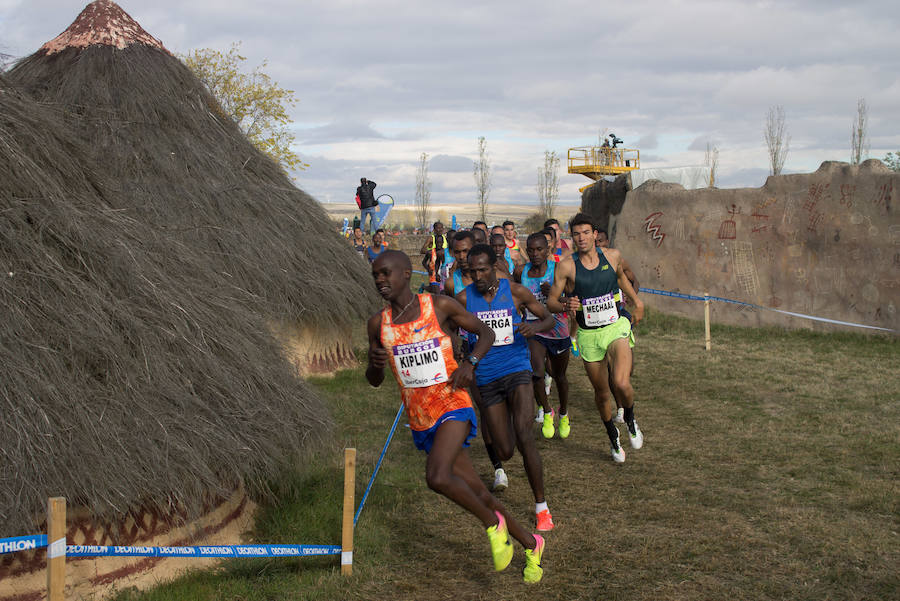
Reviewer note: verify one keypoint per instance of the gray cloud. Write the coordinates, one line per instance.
(648, 141)
(454, 164)
(424, 76)
(336, 132)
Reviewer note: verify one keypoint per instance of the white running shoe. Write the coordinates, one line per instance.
(637, 438)
(618, 453)
(501, 482)
(547, 381)
(620, 416)
(540, 415)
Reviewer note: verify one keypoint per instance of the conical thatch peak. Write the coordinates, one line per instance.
(102, 23)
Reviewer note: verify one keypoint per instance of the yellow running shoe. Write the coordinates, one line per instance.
(547, 429)
(533, 570)
(501, 548)
(564, 427)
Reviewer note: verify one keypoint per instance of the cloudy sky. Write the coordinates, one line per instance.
(378, 83)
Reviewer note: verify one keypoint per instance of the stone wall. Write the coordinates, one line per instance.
(824, 244)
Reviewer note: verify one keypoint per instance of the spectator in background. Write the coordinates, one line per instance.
(365, 198)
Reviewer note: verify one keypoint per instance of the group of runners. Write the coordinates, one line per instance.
(486, 335)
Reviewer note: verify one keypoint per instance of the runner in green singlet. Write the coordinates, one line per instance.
(591, 278)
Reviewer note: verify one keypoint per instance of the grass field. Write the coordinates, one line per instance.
(770, 471)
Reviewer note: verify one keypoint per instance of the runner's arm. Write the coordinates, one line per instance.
(450, 309)
(524, 298)
(565, 270)
(630, 275)
(378, 355)
(517, 274)
(449, 286)
(626, 287)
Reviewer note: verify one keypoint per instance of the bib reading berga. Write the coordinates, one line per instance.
(501, 321)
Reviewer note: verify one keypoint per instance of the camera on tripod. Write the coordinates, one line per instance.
(615, 140)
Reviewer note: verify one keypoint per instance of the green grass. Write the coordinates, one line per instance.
(770, 471)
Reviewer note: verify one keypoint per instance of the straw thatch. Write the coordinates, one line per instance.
(184, 169)
(145, 250)
(128, 376)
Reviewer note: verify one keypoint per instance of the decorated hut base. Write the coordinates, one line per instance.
(23, 576)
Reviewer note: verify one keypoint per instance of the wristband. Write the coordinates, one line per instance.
(473, 360)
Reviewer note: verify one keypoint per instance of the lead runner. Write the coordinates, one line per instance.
(412, 336)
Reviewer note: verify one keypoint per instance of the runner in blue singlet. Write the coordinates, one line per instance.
(546, 347)
(503, 375)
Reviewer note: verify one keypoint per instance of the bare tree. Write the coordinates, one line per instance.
(712, 161)
(482, 173)
(778, 140)
(859, 136)
(423, 193)
(548, 184)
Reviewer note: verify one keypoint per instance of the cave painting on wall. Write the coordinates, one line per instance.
(728, 229)
(654, 228)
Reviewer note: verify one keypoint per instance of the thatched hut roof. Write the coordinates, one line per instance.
(184, 169)
(136, 367)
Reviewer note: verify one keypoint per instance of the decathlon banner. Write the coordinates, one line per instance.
(22, 543)
(203, 551)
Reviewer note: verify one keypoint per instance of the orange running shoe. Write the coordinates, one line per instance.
(544, 521)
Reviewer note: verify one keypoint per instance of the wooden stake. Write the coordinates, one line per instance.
(706, 319)
(349, 500)
(56, 548)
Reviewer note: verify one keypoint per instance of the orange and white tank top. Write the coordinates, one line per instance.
(421, 357)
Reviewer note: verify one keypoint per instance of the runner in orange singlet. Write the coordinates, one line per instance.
(411, 335)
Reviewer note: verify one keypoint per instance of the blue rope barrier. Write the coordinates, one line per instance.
(378, 465)
(203, 551)
(31, 542)
(22, 543)
(745, 304)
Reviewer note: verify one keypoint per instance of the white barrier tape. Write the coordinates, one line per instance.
(346, 558)
(57, 548)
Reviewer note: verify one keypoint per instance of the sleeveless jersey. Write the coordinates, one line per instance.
(509, 353)
(597, 288)
(457, 281)
(374, 255)
(422, 361)
(561, 329)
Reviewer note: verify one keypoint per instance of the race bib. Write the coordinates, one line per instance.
(501, 321)
(529, 316)
(600, 310)
(420, 364)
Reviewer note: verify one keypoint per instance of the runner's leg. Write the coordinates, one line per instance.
(619, 357)
(558, 366)
(496, 419)
(538, 356)
(441, 477)
(463, 469)
(597, 373)
(522, 406)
